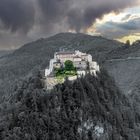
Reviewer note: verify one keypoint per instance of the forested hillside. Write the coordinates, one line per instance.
(90, 108)
(5, 52)
(35, 56)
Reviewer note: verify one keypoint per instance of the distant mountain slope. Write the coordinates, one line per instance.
(5, 52)
(124, 65)
(36, 55)
(125, 51)
(126, 73)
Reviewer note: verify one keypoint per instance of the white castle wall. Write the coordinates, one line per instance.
(89, 58)
(93, 67)
(48, 71)
(81, 73)
(50, 82)
(72, 78)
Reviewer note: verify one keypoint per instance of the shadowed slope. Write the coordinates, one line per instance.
(90, 108)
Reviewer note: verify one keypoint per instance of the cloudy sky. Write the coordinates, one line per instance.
(23, 21)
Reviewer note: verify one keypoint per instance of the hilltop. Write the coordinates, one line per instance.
(69, 64)
(34, 56)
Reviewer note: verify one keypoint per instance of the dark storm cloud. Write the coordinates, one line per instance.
(36, 18)
(78, 19)
(80, 14)
(74, 14)
(54, 9)
(17, 14)
(130, 25)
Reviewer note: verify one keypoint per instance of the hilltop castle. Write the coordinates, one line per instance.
(82, 64)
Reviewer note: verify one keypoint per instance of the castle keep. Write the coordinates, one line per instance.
(81, 64)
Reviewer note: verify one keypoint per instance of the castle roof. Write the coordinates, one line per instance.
(65, 52)
(77, 56)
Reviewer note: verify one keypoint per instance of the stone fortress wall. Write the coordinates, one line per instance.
(82, 61)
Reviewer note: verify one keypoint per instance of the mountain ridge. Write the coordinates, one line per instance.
(34, 56)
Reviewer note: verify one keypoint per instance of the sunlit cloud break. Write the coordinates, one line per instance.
(123, 26)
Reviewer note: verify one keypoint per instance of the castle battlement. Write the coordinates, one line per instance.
(82, 64)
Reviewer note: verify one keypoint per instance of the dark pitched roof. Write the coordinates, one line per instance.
(65, 52)
(77, 57)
